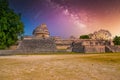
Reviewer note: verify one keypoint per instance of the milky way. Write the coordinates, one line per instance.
(69, 17)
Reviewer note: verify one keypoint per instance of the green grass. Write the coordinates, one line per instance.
(48, 53)
(104, 57)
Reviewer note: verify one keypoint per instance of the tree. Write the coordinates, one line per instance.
(101, 35)
(10, 25)
(116, 40)
(84, 37)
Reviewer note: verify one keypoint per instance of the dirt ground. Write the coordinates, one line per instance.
(60, 67)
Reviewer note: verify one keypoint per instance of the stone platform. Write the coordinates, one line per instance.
(38, 45)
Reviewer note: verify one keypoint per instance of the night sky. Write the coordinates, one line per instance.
(69, 17)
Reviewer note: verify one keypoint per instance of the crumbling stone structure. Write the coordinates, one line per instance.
(88, 46)
(41, 32)
(94, 46)
(42, 42)
(39, 42)
(38, 45)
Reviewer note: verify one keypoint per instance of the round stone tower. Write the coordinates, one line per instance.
(41, 31)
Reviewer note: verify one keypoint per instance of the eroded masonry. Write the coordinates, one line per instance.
(41, 41)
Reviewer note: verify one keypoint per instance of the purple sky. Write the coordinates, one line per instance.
(69, 17)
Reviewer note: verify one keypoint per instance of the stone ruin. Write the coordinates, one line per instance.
(39, 42)
(41, 32)
(94, 46)
(62, 44)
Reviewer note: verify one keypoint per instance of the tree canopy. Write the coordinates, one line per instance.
(84, 37)
(10, 25)
(116, 40)
(101, 35)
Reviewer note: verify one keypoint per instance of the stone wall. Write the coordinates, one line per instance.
(62, 47)
(63, 44)
(94, 49)
(10, 52)
(79, 47)
(38, 45)
(76, 47)
(89, 49)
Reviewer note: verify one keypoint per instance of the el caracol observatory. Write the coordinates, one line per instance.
(41, 31)
(39, 42)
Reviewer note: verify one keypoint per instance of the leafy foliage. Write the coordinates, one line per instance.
(84, 37)
(10, 25)
(116, 40)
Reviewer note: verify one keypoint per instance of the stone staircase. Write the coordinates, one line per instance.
(109, 48)
(38, 45)
(112, 48)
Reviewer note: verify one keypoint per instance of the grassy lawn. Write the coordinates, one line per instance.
(104, 58)
(60, 67)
